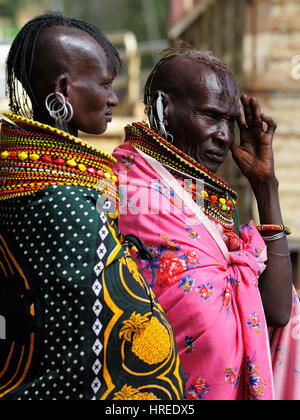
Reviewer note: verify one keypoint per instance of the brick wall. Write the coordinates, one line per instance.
(260, 41)
(180, 8)
(271, 72)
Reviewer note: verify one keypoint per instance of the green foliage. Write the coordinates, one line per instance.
(8, 8)
(146, 18)
(116, 15)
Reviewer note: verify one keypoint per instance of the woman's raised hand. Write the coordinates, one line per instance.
(254, 155)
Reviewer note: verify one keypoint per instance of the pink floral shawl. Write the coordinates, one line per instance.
(214, 307)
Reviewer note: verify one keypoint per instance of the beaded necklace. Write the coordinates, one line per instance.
(34, 156)
(218, 200)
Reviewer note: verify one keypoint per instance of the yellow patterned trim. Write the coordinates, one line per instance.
(127, 288)
(117, 314)
(26, 368)
(18, 119)
(130, 393)
(5, 367)
(20, 271)
(12, 263)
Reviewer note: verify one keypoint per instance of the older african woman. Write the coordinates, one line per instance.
(220, 288)
(81, 321)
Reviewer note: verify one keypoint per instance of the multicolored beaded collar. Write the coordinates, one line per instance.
(34, 156)
(219, 200)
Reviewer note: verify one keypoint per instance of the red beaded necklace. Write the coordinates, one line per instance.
(34, 156)
(219, 201)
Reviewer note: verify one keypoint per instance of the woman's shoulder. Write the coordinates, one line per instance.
(60, 208)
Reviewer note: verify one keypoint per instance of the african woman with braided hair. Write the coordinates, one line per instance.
(80, 320)
(221, 287)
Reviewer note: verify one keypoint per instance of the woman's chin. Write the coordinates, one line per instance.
(96, 130)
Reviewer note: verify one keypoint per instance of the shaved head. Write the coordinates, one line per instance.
(61, 50)
(45, 47)
(199, 98)
(181, 72)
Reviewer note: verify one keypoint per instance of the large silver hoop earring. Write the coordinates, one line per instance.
(170, 138)
(59, 109)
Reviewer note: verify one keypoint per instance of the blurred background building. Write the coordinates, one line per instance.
(258, 39)
(136, 27)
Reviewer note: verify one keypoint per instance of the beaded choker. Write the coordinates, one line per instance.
(219, 201)
(34, 156)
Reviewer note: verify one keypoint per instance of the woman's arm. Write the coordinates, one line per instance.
(276, 281)
(255, 158)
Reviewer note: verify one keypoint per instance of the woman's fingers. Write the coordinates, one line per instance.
(241, 119)
(247, 110)
(270, 123)
(255, 108)
(257, 122)
(252, 117)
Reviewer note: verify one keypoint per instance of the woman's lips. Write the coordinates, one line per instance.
(108, 116)
(216, 155)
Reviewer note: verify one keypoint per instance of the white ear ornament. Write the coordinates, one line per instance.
(160, 108)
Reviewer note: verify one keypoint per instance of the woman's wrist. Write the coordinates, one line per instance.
(267, 197)
(265, 187)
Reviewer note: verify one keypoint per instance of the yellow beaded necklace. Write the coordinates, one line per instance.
(34, 156)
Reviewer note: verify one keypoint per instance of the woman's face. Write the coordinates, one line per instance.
(90, 92)
(203, 122)
(73, 63)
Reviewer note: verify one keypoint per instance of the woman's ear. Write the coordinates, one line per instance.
(62, 85)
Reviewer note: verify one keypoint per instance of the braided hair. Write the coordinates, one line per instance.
(21, 57)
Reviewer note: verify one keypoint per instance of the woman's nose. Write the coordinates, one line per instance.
(113, 99)
(224, 133)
